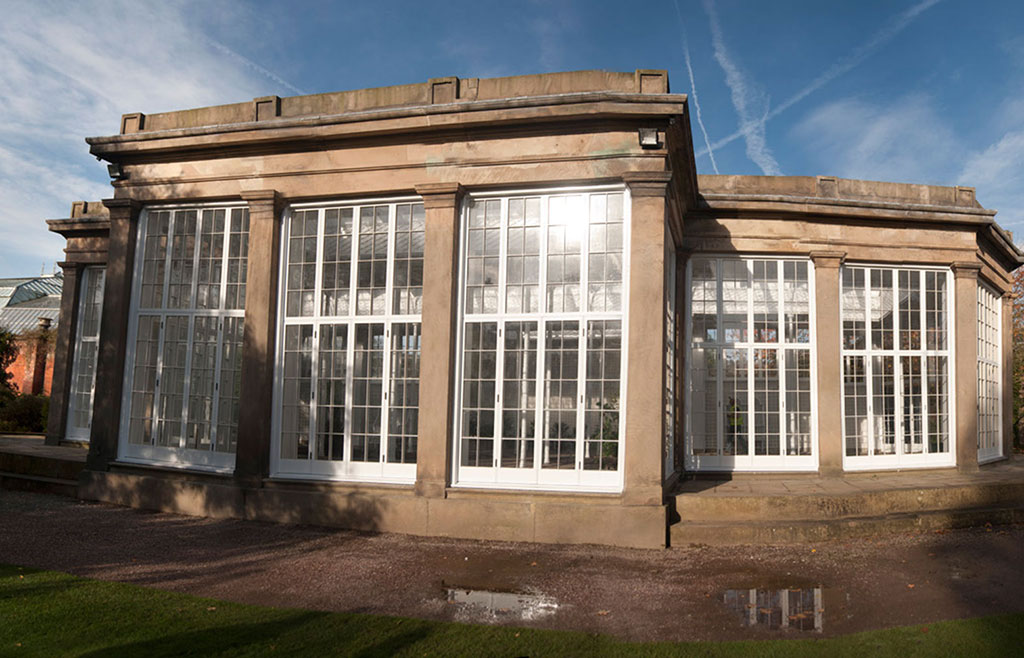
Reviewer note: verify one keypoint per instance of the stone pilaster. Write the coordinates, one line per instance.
(255, 400)
(64, 352)
(440, 316)
(113, 342)
(828, 338)
(965, 355)
(643, 464)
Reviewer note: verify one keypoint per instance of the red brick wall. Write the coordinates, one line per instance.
(24, 367)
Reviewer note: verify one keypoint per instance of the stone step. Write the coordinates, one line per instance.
(41, 465)
(727, 508)
(687, 533)
(38, 484)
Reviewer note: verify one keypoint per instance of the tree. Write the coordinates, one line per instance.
(8, 353)
(1018, 358)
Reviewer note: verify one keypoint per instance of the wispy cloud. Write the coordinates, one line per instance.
(693, 88)
(886, 33)
(904, 140)
(750, 101)
(62, 83)
(998, 174)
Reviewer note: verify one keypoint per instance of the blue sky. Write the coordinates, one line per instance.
(927, 91)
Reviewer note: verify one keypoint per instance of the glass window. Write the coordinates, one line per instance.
(184, 365)
(349, 389)
(749, 383)
(86, 350)
(542, 340)
(896, 376)
(990, 444)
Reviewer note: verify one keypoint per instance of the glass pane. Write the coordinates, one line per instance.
(854, 309)
(92, 302)
(766, 402)
(372, 266)
(519, 395)
(211, 259)
(935, 310)
(301, 275)
(404, 398)
(855, 401)
(201, 379)
(367, 392)
(797, 300)
(798, 402)
(704, 291)
(561, 361)
(230, 384)
(336, 270)
(883, 396)
(483, 251)
(704, 400)
(522, 265)
(183, 252)
(913, 412)
(938, 404)
(85, 352)
(601, 411)
(238, 258)
(766, 301)
(332, 369)
(408, 264)
(172, 381)
(567, 219)
(882, 310)
(735, 387)
(154, 260)
(604, 269)
(479, 379)
(297, 391)
(735, 300)
(147, 350)
(910, 309)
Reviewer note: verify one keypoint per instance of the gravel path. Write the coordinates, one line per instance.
(676, 594)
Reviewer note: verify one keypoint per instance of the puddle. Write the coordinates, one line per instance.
(487, 606)
(801, 609)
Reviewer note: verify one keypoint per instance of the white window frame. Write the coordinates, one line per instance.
(536, 478)
(752, 462)
(990, 300)
(339, 470)
(181, 457)
(73, 432)
(900, 460)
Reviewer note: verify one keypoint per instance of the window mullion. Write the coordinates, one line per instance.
(225, 258)
(196, 249)
(219, 356)
(187, 374)
(539, 422)
(158, 382)
(719, 354)
(581, 385)
(350, 351)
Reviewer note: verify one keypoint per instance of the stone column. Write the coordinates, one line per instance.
(1006, 360)
(106, 417)
(440, 314)
(828, 339)
(64, 352)
(645, 351)
(255, 400)
(965, 356)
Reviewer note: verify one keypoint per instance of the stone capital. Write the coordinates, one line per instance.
(966, 270)
(827, 259)
(440, 195)
(647, 183)
(123, 208)
(264, 200)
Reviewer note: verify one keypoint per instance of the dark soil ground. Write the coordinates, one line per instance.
(675, 594)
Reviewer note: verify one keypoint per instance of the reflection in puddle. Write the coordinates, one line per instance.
(484, 605)
(801, 609)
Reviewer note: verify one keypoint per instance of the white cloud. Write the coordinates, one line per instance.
(693, 89)
(69, 71)
(998, 175)
(906, 141)
(749, 99)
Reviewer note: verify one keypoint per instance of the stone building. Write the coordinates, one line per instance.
(508, 308)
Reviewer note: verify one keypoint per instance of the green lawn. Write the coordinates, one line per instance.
(45, 613)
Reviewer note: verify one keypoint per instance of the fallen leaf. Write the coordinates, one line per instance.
(517, 634)
(924, 629)
(910, 585)
(603, 612)
(533, 564)
(212, 607)
(814, 550)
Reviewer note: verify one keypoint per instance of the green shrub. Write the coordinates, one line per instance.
(23, 413)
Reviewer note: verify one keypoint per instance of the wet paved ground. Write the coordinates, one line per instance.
(688, 593)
